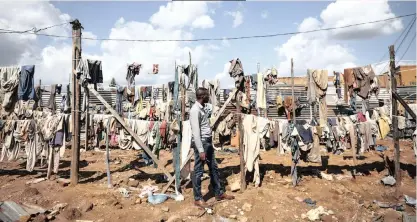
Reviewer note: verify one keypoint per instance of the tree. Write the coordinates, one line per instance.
(113, 82)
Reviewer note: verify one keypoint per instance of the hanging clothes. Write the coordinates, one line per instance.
(155, 69)
(26, 87)
(51, 101)
(119, 100)
(260, 93)
(91, 70)
(185, 149)
(8, 150)
(251, 145)
(9, 82)
(236, 72)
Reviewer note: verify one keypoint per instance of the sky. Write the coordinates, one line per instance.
(332, 50)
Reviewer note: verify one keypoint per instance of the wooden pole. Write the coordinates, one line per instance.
(87, 118)
(294, 163)
(241, 148)
(75, 147)
(395, 121)
(292, 92)
(177, 150)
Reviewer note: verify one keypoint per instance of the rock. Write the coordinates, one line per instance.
(274, 207)
(326, 176)
(58, 207)
(36, 181)
(165, 209)
(247, 207)
(133, 183)
(63, 182)
(174, 218)
(233, 216)
(86, 206)
(119, 206)
(29, 192)
(299, 199)
(243, 219)
(235, 186)
(138, 201)
(71, 213)
(314, 214)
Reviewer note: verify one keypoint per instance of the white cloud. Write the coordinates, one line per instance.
(237, 18)
(22, 16)
(264, 14)
(88, 42)
(203, 22)
(358, 12)
(53, 61)
(321, 50)
(224, 77)
(181, 14)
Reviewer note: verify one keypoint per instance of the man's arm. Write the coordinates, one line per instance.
(195, 128)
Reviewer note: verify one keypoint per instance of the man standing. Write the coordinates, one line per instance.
(204, 151)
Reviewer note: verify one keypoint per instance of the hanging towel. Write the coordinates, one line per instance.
(260, 93)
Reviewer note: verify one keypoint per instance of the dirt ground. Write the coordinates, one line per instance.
(275, 200)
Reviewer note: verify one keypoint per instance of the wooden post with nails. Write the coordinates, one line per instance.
(395, 121)
(75, 109)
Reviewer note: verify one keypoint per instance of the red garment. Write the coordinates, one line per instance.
(361, 117)
(163, 131)
(152, 112)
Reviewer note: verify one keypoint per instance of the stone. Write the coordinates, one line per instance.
(247, 207)
(243, 219)
(274, 207)
(233, 216)
(138, 201)
(235, 186)
(299, 199)
(165, 209)
(133, 183)
(86, 206)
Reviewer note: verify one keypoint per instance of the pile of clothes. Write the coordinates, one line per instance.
(361, 81)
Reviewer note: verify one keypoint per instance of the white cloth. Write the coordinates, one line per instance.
(260, 93)
(185, 148)
(8, 83)
(252, 145)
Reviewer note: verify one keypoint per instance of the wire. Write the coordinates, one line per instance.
(408, 32)
(33, 30)
(408, 47)
(402, 33)
(405, 36)
(214, 39)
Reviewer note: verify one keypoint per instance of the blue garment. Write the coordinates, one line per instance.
(305, 134)
(199, 169)
(26, 88)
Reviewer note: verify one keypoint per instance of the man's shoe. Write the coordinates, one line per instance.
(225, 197)
(201, 203)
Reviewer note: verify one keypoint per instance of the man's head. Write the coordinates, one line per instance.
(202, 95)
